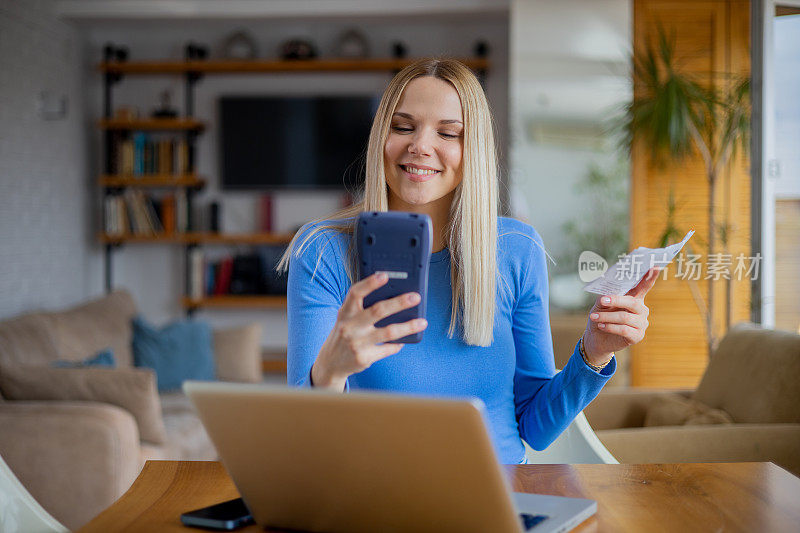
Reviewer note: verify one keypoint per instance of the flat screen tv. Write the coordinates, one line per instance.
(294, 142)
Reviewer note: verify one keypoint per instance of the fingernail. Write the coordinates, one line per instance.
(382, 276)
(422, 323)
(413, 298)
(601, 326)
(606, 300)
(594, 316)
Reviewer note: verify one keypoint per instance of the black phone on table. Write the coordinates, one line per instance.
(225, 516)
(398, 244)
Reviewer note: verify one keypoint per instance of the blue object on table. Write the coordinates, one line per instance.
(179, 351)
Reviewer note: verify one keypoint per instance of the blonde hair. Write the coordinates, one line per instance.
(472, 231)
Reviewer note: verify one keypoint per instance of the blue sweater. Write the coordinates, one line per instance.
(515, 377)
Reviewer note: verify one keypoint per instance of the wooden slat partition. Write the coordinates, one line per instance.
(712, 36)
(787, 267)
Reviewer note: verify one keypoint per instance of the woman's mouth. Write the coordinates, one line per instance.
(418, 174)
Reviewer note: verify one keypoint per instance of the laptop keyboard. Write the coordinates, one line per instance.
(530, 521)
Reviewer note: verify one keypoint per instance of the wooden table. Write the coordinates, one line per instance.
(659, 497)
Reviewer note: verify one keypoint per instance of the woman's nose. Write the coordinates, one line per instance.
(420, 144)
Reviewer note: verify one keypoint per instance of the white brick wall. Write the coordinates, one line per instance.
(45, 251)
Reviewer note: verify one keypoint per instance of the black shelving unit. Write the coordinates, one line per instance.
(116, 55)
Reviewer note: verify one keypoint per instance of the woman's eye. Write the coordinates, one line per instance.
(407, 129)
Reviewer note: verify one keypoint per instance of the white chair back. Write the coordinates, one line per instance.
(576, 445)
(19, 512)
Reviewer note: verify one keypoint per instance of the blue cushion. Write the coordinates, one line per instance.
(103, 358)
(177, 352)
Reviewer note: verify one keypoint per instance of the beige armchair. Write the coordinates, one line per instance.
(744, 409)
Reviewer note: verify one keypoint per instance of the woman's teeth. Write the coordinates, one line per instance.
(419, 171)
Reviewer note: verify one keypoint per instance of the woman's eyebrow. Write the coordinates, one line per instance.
(447, 121)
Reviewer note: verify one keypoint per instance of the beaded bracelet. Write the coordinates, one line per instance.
(596, 368)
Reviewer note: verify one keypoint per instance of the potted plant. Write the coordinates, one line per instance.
(676, 115)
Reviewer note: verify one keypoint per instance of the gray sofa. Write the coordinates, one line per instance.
(77, 438)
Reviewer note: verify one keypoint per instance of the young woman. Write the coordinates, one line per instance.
(487, 334)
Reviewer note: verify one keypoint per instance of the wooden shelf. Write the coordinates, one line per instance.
(273, 361)
(200, 238)
(151, 124)
(237, 302)
(260, 66)
(170, 238)
(240, 238)
(152, 180)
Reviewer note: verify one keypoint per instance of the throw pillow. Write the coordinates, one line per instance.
(237, 352)
(676, 410)
(103, 358)
(177, 352)
(129, 388)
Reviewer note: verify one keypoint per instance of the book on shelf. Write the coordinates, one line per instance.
(247, 274)
(222, 283)
(182, 159)
(181, 211)
(111, 217)
(166, 164)
(151, 213)
(136, 213)
(144, 154)
(138, 153)
(122, 159)
(196, 270)
(116, 219)
(168, 213)
(211, 270)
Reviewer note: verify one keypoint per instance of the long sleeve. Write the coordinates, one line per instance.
(317, 285)
(546, 402)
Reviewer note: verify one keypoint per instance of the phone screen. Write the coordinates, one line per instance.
(228, 515)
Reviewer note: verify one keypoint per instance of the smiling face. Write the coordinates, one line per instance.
(422, 154)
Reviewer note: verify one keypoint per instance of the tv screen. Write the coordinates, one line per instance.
(294, 142)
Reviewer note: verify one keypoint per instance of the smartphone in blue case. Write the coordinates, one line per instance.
(225, 516)
(398, 244)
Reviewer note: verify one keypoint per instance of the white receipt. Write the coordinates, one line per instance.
(626, 273)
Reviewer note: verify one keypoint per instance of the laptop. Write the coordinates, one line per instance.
(315, 460)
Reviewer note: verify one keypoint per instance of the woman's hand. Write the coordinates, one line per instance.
(616, 322)
(355, 343)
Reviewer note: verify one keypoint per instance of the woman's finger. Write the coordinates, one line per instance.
(619, 317)
(630, 334)
(645, 284)
(354, 301)
(369, 353)
(392, 332)
(629, 303)
(385, 350)
(385, 308)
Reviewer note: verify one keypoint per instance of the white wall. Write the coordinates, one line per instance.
(154, 273)
(45, 243)
(568, 64)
